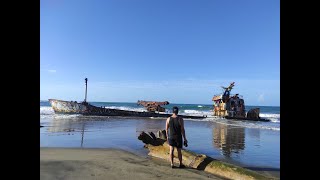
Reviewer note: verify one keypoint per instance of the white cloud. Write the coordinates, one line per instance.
(52, 71)
(261, 98)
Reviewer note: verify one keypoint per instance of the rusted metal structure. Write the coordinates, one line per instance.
(153, 106)
(84, 108)
(233, 106)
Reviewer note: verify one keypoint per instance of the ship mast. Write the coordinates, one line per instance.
(85, 99)
(226, 94)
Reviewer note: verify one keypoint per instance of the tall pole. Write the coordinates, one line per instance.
(85, 100)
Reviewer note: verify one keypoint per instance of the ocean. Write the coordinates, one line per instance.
(249, 144)
(268, 112)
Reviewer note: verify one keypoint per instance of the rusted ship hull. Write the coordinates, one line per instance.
(67, 107)
(71, 107)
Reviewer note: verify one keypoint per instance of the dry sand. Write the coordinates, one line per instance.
(65, 163)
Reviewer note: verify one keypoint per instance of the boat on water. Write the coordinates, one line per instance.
(87, 109)
(233, 107)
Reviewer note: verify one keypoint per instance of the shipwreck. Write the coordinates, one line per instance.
(233, 106)
(153, 106)
(72, 107)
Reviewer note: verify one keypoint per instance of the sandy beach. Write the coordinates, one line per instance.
(79, 163)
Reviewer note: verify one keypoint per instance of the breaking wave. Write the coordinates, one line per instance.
(272, 125)
(273, 117)
(48, 112)
(126, 108)
(241, 123)
(246, 124)
(45, 110)
(191, 112)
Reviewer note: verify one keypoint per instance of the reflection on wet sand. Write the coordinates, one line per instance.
(68, 126)
(254, 133)
(61, 125)
(229, 139)
(79, 125)
(150, 125)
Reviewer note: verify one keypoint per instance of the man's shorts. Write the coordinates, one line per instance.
(176, 142)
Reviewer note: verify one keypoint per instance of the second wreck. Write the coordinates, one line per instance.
(233, 106)
(153, 106)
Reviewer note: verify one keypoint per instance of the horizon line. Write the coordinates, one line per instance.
(170, 103)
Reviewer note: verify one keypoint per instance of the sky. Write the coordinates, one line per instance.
(181, 51)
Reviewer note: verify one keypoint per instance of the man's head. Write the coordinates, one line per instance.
(175, 110)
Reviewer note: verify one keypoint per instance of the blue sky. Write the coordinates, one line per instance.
(181, 51)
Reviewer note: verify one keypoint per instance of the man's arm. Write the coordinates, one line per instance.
(182, 129)
(167, 127)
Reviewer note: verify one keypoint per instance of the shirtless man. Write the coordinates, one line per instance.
(175, 131)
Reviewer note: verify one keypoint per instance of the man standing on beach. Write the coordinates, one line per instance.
(175, 131)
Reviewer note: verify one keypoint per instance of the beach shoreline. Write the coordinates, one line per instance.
(108, 163)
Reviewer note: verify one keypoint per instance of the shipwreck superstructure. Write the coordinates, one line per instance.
(232, 106)
(153, 106)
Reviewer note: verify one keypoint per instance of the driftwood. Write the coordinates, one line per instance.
(159, 148)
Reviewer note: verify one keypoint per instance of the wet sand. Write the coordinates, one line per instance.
(79, 163)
